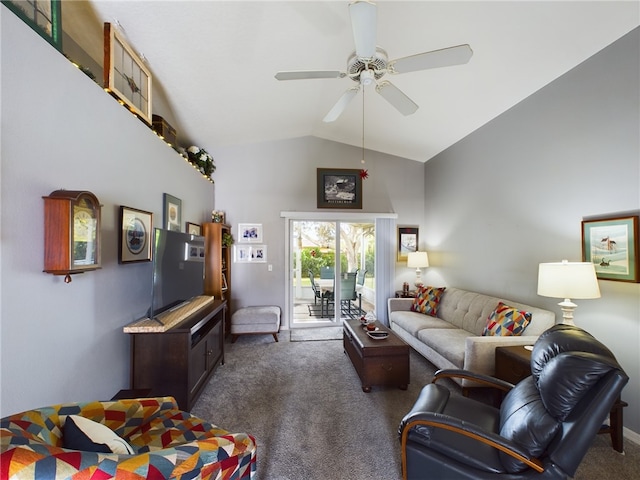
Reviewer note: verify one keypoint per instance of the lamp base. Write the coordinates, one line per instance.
(567, 308)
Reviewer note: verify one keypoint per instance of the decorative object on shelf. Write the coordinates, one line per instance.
(164, 130)
(250, 253)
(407, 242)
(339, 188)
(172, 213)
(217, 216)
(250, 233)
(568, 280)
(418, 260)
(612, 245)
(43, 16)
(72, 240)
(125, 75)
(201, 160)
(194, 228)
(135, 235)
(227, 239)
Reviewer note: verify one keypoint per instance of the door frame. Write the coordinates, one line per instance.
(350, 217)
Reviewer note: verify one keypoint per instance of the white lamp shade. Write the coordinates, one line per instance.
(417, 260)
(568, 280)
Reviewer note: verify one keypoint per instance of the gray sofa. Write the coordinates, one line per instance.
(454, 339)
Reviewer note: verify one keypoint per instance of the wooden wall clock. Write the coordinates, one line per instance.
(71, 233)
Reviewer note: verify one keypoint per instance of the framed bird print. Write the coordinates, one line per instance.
(125, 75)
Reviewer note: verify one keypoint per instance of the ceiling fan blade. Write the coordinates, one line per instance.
(342, 103)
(397, 98)
(307, 74)
(364, 24)
(445, 57)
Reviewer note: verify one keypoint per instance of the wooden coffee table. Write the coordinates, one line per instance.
(378, 362)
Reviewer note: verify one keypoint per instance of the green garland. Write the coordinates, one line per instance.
(201, 160)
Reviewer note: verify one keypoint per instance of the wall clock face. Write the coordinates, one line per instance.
(85, 228)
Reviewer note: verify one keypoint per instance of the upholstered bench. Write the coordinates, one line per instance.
(253, 320)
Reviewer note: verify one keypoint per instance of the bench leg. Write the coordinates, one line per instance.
(234, 338)
(275, 336)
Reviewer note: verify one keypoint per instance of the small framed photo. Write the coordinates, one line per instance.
(134, 235)
(407, 242)
(259, 253)
(242, 253)
(339, 188)
(250, 233)
(125, 75)
(195, 252)
(194, 228)
(611, 244)
(172, 213)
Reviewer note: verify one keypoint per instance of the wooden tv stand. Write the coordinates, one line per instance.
(179, 360)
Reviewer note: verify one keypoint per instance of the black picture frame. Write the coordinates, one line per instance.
(134, 235)
(339, 188)
(407, 242)
(172, 213)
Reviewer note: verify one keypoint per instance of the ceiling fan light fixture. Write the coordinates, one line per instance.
(367, 77)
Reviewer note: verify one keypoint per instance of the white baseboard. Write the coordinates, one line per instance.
(631, 435)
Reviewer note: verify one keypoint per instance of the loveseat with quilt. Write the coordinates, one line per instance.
(454, 328)
(161, 440)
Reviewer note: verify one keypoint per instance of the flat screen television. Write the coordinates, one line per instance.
(178, 270)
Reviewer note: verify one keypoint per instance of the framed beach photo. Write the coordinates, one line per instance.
(407, 242)
(172, 213)
(339, 188)
(611, 244)
(250, 233)
(134, 243)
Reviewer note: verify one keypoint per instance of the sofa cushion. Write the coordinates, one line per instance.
(80, 433)
(427, 300)
(413, 322)
(449, 343)
(506, 321)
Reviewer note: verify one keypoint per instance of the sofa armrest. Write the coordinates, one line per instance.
(399, 305)
(480, 352)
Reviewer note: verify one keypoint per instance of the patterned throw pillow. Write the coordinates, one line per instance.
(506, 321)
(427, 300)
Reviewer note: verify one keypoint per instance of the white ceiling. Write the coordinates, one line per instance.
(216, 61)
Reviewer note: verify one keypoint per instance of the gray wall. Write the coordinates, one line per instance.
(513, 194)
(64, 342)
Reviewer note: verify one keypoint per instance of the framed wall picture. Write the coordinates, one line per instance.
(339, 188)
(407, 242)
(250, 253)
(134, 235)
(125, 74)
(250, 233)
(43, 16)
(611, 244)
(172, 213)
(194, 228)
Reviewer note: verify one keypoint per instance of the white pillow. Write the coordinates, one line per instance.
(86, 435)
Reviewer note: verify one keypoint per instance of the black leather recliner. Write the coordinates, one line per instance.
(543, 428)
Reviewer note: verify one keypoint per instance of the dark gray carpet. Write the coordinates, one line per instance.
(303, 403)
(316, 334)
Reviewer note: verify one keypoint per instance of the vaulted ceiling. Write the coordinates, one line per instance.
(215, 63)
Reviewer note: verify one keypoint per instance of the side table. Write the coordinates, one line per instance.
(514, 364)
(409, 294)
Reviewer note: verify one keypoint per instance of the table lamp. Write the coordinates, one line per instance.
(568, 280)
(417, 260)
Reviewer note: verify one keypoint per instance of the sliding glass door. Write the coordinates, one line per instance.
(332, 271)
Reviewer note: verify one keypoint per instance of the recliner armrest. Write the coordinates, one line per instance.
(476, 377)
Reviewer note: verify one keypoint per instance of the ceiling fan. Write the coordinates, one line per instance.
(369, 63)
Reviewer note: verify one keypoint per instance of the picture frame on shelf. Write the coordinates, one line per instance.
(136, 227)
(250, 233)
(172, 213)
(611, 244)
(125, 74)
(44, 17)
(225, 287)
(194, 228)
(407, 242)
(339, 188)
